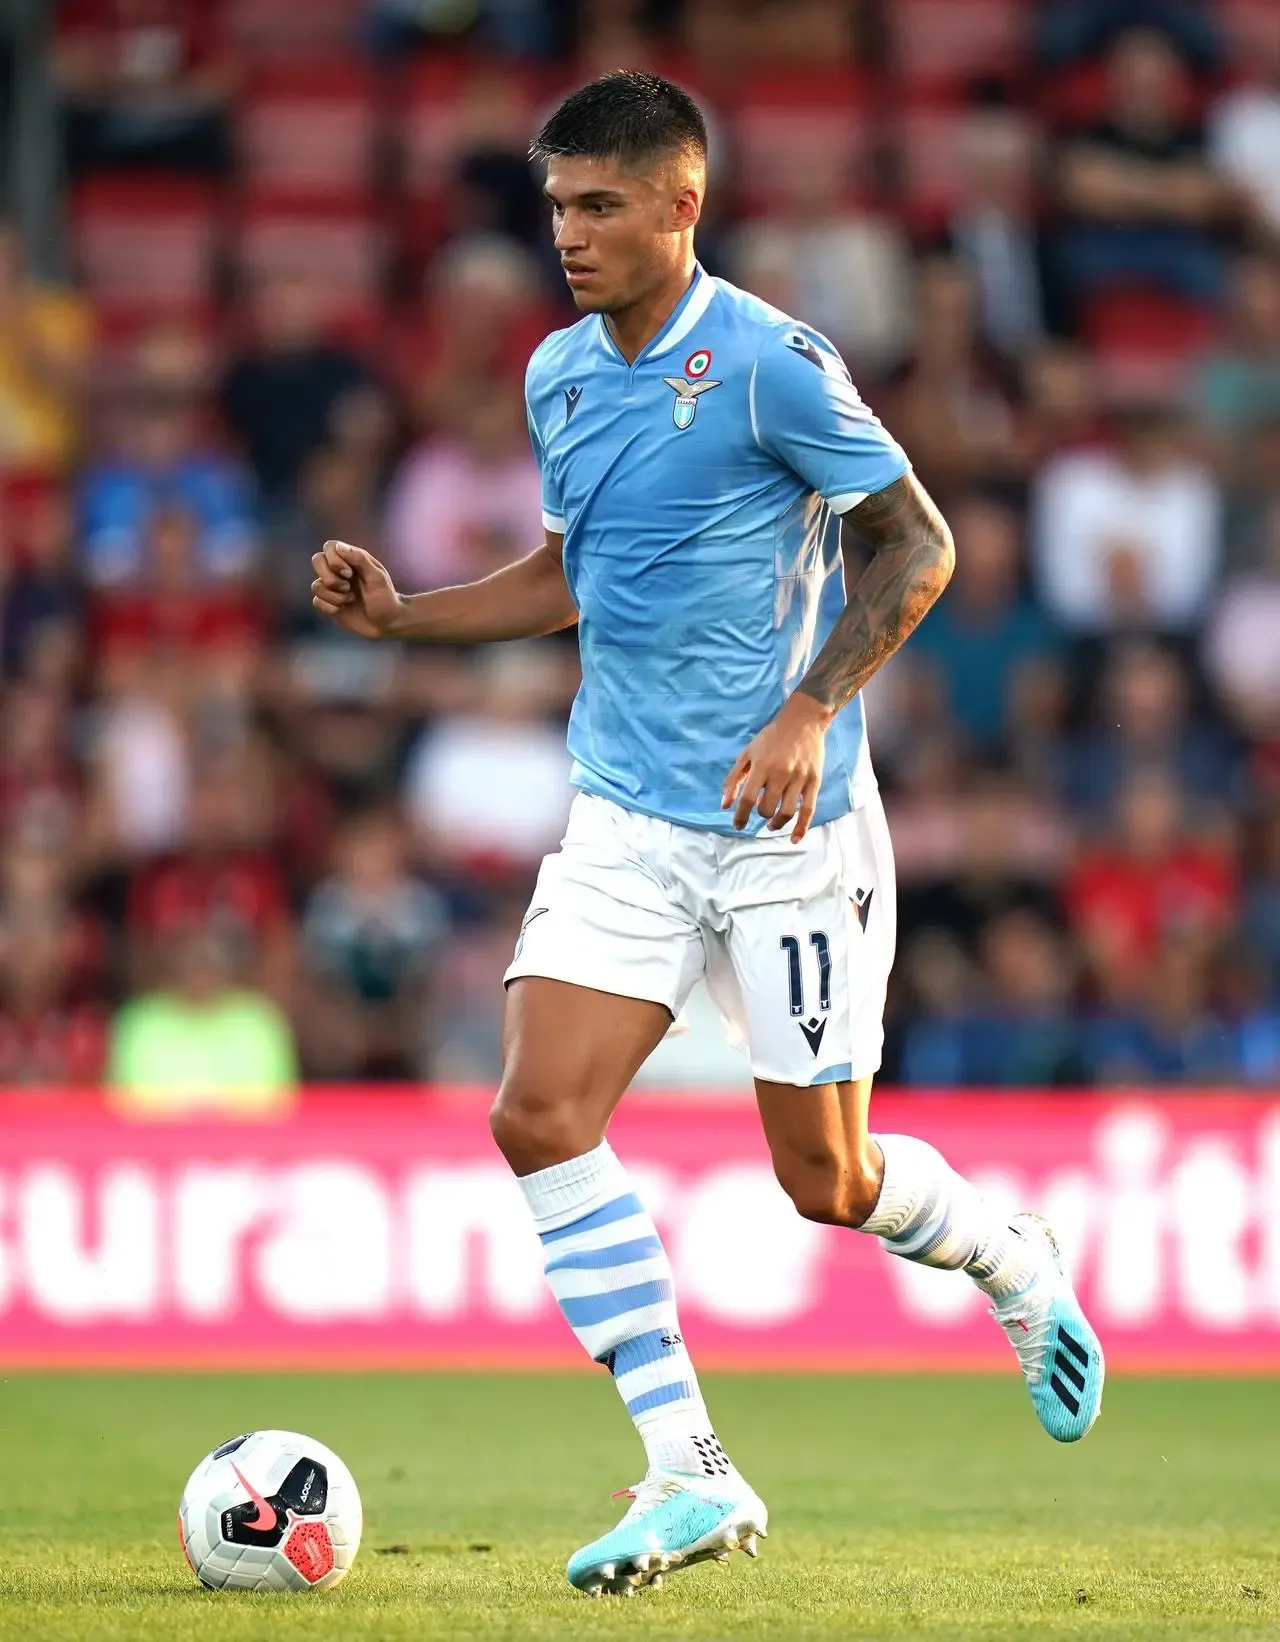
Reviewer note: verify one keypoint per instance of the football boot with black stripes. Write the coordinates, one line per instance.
(1058, 1350)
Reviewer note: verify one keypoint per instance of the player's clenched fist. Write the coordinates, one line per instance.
(355, 589)
(780, 771)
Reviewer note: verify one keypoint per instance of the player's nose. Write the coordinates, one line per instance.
(570, 235)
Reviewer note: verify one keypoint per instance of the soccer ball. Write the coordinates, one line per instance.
(270, 1511)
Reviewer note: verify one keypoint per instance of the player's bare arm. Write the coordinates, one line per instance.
(522, 600)
(912, 556)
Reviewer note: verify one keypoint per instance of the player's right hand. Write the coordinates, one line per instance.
(355, 589)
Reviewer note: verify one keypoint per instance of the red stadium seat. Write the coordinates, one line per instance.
(294, 28)
(309, 131)
(931, 153)
(342, 247)
(146, 245)
(784, 129)
(947, 42)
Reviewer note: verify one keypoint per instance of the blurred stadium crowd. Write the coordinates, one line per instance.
(305, 265)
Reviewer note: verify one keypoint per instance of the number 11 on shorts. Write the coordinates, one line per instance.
(795, 977)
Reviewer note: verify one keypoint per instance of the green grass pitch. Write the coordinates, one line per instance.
(901, 1508)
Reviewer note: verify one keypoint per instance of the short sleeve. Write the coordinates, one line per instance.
(552, 505)
(807, 413)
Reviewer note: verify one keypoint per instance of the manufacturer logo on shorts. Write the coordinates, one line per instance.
(533, 912)
(813, 1029)
(862, 904)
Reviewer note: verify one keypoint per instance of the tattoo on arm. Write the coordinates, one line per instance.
(911, 563)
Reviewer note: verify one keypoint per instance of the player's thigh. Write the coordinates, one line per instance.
(604, 962)
(806, 959)
(821, 1148)
(569, 1053)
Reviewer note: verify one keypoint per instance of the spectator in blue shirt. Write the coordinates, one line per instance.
(158, 461)
(986, 632)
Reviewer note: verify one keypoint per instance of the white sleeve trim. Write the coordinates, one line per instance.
(846, 500)
(552, 522)
(751, 401)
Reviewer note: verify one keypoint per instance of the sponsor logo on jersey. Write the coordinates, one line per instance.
(571, 398)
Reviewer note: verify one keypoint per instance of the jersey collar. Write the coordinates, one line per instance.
(684, 316)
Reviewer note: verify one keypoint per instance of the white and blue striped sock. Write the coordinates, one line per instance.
(928, 1213)
(610, 1274)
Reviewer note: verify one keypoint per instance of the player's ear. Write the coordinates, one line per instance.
(686, 207)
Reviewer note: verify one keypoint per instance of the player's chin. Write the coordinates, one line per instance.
(587, 291)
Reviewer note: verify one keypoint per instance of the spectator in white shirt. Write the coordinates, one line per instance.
(1244, 126)
(1127, 538)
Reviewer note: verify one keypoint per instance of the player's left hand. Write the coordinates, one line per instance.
(779, 773)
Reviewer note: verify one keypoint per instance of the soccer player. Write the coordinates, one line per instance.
(699, 451)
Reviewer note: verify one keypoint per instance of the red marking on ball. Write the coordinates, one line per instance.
(310, 1550)
(182, 1540)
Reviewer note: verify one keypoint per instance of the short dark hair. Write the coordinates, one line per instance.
(626, 115)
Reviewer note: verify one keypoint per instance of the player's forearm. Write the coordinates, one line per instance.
(912, 560)
(522, 600)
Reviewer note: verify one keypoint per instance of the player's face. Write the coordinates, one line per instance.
(618, 234)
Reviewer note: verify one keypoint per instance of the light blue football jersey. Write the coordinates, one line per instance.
(698, 491)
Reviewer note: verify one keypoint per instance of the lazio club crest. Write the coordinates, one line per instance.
(688, 387)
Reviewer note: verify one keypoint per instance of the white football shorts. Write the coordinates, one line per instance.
(795, 941)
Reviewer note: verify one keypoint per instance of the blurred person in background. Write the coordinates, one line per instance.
(955, 401)
(1143, 719)
(372, 935)
(1007, 853)
(1252, 528)
(1244, 124)
(1168, 1032)
(41, 600)
(289, 390)
(466, 1046)
(463, 769)
(1238, 386)
(160, 456)
(143, 83)
(1152, 880)
(50, 1037)
(173, 612)
(1127, 537)
(41, 787)
(138, 755)
(847, 269)
(460, 504)
(46, 338)
(222, 877)
(484, 309)
(1260, 922)
(1023, 1034)
(1070, 30)
(1061, 407)
(1141, 200)
(1241, 652)
(982, 636)
(994, 228)
(935, 991)
(201, 1042)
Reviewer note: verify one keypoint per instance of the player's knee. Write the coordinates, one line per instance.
(831, 1189)
(534, 1129)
